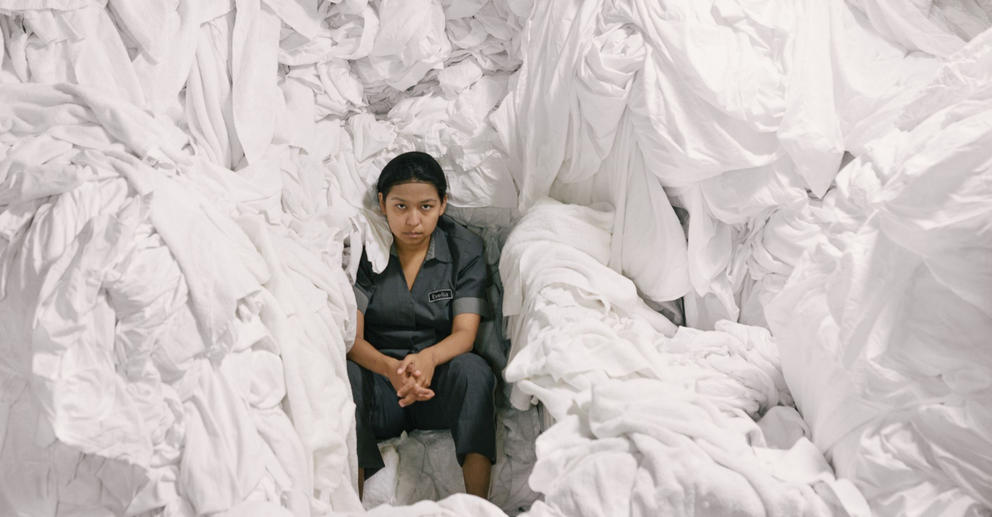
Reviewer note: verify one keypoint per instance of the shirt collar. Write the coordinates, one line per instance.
(438, 248)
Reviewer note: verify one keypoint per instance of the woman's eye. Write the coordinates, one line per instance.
(400, 206)
(426, 207)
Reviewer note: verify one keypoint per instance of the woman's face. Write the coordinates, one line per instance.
(412, 210)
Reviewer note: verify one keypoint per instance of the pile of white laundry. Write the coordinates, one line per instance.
(893, 304)
(149, 337)
(650, 419)
(184, 186)
(730, 110)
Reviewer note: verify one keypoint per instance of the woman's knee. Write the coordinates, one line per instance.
(473, 371)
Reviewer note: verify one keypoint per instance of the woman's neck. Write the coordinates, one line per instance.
(411, 258)
(405, 251)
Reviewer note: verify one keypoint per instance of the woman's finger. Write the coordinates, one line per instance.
(408, 384)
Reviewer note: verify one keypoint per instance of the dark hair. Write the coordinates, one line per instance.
(409, 167)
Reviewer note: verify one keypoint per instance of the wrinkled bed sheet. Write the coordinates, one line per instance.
(183, 185)
(650, 419)
(145, 363)
(893, 303)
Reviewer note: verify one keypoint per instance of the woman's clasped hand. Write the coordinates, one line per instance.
(412, 378)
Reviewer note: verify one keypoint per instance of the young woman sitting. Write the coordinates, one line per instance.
(412, 365)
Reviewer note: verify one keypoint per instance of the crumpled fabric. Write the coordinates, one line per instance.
(135, 330)
(722, 123)
(768, 101)
(649, 419)
(916, 26)
(183, 68)
(452, 506)
(410, 41)
(891, 305)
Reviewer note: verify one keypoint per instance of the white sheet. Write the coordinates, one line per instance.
(149, 355)
(649, 420)
(891, 305)
(767, 100)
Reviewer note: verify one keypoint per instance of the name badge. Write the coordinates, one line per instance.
(440, 294)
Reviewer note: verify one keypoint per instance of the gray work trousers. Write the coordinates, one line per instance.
(464, 402)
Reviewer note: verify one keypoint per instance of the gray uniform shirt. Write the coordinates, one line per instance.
(451, 281)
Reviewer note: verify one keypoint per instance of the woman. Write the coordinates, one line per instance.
(411, 366)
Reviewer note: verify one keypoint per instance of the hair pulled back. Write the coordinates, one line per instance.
(409, 167)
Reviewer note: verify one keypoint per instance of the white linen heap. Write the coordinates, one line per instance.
(937, 28)
(141, 377)
(650, 420)
(884, 322)
(732, 108)
(145, 361)
(281, 114)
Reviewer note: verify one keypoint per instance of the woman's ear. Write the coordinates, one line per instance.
(382, 203)
(444, 204)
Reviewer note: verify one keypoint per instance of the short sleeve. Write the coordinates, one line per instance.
(470, 286)
(364, 286)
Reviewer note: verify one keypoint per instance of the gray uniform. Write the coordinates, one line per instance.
(399, 321)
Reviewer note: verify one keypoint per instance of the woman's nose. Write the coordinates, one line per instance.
(413, 219)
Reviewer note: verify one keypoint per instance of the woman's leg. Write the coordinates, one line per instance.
(464, 402)
(475, 470)
(377, 416)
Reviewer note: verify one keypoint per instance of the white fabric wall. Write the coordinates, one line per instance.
(183, 184)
